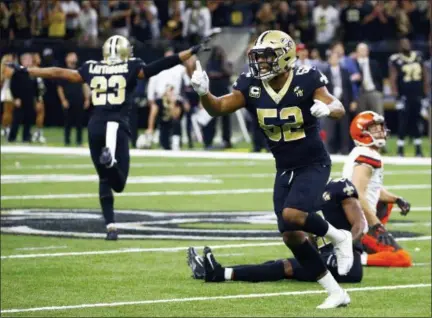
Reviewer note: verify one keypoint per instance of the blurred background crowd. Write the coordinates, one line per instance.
(351, 41)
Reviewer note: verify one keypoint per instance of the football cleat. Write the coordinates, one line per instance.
(335, 300)
(112, 234)
(214, 272)
(106, 158)
(196, 263)
(344, 253)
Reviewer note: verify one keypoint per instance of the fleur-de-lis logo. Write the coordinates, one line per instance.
(348, 190)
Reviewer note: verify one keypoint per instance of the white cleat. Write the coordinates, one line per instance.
(344, 253)
(335, 300)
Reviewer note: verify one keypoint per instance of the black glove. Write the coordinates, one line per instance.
(202, 47)
(404, 205)
(17, 67)
(383, 236)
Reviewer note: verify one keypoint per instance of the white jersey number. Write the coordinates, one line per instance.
(99, 86)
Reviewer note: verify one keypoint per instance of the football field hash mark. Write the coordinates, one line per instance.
(192, 299)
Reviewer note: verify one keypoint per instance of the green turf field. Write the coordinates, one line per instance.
(59, 276)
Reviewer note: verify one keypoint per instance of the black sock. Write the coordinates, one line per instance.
(106, 201)
(309, 258)
(315, 224)
(267, 272)
(116, 178)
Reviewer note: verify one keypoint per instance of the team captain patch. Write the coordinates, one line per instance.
(255, 91)
(370, 161)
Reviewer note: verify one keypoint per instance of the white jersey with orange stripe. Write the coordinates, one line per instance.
(372, 158)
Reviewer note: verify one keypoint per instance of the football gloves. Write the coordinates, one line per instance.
(17, 67)
(200, 80)
(384, 237)
(320, 109)
(404, 205)
(202, 47)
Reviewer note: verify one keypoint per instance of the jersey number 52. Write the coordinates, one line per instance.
(99, 86)
(290, 131)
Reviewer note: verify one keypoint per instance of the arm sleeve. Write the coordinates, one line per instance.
(344, 189)
(318, 79)
(373, 162)
(242, 84)
(84, 72)
(162, 64)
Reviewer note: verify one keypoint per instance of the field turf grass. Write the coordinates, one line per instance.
(93, 277)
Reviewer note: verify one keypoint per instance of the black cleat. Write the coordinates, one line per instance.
(196, 263)
(214, 272)
(112, 235)
(105, 157)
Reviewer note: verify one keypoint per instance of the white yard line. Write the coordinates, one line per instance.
(9, 149)
(209, 298)
(40, 248)
(400, 187)
(142, 165)
(167, 249)
(77, 178)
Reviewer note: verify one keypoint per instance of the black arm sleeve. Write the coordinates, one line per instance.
(162, 64)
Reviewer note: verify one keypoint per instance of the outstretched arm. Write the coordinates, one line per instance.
(165, 63)
(49, 72)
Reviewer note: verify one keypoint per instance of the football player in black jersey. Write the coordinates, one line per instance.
(287, 102)
(410, 88)
(340, 207)
(112, 82)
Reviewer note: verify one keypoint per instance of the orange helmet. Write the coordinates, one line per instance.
(359, 129)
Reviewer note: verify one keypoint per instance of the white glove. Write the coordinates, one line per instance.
(200, 80)
(319, 109)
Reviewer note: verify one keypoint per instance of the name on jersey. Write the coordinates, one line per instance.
(108, 69)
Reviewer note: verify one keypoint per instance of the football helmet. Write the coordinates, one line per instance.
(273, 53)
(116, 49)
(360, 130)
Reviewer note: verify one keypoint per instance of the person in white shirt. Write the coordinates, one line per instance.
(88, 22)
(174, 77)
(197, 22)
(72, 10)
(326, 21)
(365, 169)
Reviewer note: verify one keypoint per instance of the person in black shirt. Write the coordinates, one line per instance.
(112, 82)
(352, 19)
(75, 99)
(24, 91)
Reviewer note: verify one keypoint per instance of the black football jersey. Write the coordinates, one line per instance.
(336, 191)
(112, 87)
(291, 130)
(410, 74)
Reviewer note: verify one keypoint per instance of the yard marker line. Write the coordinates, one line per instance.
(168, 249)
(40, 248)
(192, 299)
(193, 154)
(422, 264)
(176, 193)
